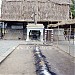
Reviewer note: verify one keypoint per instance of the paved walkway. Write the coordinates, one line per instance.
(67, 46)
(61, 63)
(7, 46)
(20, 62)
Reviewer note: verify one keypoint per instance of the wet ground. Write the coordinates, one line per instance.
(61, 63)
(21, 61)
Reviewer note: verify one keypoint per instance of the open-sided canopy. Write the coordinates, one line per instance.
(64, 22)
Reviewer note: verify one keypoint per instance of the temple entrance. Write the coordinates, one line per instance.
(34, 35)
(35, 32)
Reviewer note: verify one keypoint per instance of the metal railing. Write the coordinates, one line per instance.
(65, 42)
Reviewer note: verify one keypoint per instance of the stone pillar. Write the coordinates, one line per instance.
(41, 37)
(28, 35)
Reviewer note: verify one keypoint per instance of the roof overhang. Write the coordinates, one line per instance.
(64, 22)
(35, 26)
(28, 20)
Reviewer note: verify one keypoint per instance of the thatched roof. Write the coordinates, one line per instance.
(55, 1)
(65, 22)
(62, 1)
(23, 10)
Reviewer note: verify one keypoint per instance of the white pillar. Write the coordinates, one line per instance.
(27, 35)
(45, 34)
(51, 35)
(41, 37)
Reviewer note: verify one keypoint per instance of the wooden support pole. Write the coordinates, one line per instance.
(58, 37)
(1, 31)
(36, 12)
(69, 38)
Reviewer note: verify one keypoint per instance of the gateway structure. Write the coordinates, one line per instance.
(37, 31)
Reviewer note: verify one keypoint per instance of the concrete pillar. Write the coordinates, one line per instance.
(45, 35)
(41, 37)
(52, 36)
(5, 27)
(28, 35)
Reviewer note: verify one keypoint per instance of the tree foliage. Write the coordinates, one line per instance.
(73, 8)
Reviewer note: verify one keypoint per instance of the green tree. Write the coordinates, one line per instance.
(73, 8)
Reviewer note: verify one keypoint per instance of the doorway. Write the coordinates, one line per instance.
(34, 35)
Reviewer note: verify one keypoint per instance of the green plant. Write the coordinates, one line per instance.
(72, 8)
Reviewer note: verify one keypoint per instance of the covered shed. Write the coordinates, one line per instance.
(25, 10)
